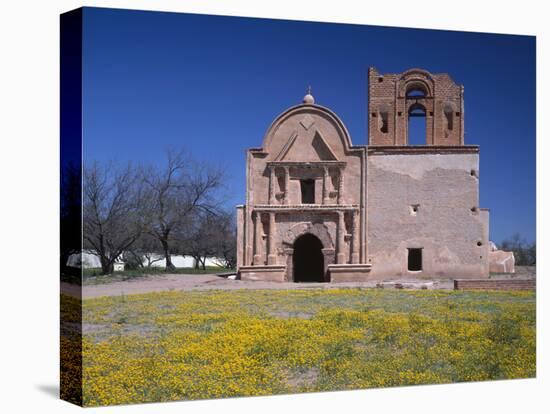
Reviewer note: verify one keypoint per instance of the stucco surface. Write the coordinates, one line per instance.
(447, 224)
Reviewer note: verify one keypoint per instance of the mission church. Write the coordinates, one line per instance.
(320, 209)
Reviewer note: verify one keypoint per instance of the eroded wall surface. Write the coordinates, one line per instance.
(430, 201)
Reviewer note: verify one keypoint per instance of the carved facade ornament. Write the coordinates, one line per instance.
(317, 229)
(307, 121)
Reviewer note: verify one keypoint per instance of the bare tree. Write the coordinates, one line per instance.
(198, 237)
(226, 240)
(176, 191)
(525, 253)
(209, 235)
(143, 253)
(112, 211)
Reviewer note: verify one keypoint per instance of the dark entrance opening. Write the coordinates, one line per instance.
(415, 260)
(308, 261)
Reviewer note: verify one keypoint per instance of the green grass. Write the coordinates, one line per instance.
(93, 276)
(210, 344)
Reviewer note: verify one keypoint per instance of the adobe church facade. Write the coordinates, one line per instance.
(319, 208)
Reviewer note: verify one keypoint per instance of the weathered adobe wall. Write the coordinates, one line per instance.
(445, 189)
(305, 148)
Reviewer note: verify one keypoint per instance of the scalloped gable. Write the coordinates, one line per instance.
(306, 133)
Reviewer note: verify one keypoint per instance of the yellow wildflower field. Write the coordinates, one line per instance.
(213, 344)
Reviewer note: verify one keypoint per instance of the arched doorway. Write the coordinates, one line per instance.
(308, 260)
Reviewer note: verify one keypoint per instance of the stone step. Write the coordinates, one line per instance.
(406, 285)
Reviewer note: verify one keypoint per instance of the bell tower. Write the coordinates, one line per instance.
(395, 98)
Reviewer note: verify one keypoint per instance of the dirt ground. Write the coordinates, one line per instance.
(159, 283)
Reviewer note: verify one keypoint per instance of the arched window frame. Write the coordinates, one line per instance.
(416, 92)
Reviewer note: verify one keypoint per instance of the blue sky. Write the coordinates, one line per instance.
(213, 85)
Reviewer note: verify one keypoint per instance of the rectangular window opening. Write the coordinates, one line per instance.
(415, 260)
(308, 191)
(384, 122)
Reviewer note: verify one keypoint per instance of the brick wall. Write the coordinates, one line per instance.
(389, 108)
(495, 284)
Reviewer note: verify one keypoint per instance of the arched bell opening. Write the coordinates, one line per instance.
(416, 127)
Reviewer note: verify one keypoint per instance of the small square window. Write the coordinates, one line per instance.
(415, 260)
